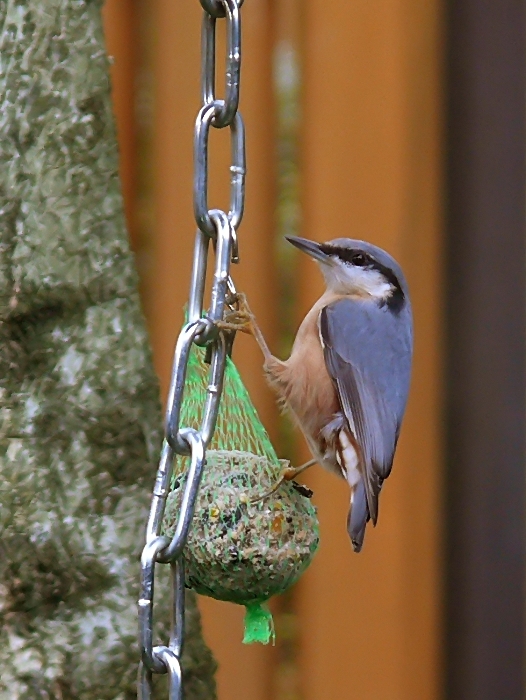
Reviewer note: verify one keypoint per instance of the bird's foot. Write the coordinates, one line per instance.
(287, 474)
(239, 317)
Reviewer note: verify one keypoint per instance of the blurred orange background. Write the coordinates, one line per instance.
(342, 104)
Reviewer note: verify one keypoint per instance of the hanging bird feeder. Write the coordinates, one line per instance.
(241, 547)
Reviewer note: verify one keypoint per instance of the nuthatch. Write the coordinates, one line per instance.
(347, 379)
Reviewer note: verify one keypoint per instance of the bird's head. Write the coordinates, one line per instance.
(358, 268)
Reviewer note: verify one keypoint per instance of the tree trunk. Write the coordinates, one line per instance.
(80, 420)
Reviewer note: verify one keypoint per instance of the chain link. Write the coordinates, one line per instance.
(226, 109)
(201, 329)
(215, 8)
(206, 119)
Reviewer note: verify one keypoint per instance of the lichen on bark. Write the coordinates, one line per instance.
(79, 412)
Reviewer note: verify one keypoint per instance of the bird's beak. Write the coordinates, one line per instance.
(310, 247)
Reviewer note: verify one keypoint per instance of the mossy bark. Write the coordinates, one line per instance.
(80, 420)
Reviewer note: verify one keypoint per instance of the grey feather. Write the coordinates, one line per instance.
(368, 352)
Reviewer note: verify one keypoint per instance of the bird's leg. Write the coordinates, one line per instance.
(287, 474)
(242, 319)
(290, 473)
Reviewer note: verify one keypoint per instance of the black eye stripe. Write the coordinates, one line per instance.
(349, 255)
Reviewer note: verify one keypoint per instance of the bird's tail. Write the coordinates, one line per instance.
(358, 515)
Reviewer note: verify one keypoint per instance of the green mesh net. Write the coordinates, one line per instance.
(241, 549)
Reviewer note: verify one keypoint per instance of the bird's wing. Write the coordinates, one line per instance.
(368, 351)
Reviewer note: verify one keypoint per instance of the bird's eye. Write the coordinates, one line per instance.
(359, 259)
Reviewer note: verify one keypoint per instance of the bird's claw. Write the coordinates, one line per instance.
(286, 474)
(268, 493)
(239, 317)
(234, 325)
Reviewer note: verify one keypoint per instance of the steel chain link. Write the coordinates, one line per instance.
(202, 329)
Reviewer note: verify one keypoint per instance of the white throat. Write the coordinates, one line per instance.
(346, 279)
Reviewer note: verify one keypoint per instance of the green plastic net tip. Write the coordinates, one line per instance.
(259, 625)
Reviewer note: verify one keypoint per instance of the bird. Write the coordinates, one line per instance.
(346, 381)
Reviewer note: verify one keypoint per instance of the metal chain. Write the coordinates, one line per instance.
(202, 329)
